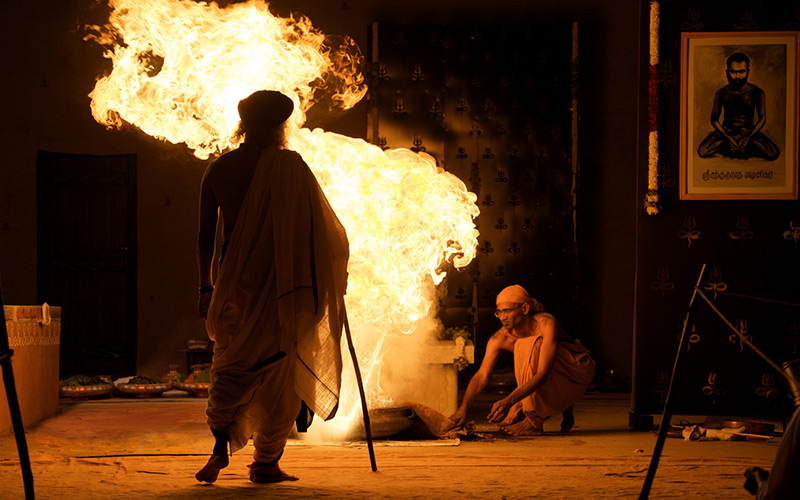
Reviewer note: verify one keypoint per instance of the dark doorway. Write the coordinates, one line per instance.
(87, 258)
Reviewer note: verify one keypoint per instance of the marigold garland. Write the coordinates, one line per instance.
(651, 200)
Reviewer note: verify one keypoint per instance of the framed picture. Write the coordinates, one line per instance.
(739, 116)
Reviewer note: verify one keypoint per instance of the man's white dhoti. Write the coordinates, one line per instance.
(277, 311)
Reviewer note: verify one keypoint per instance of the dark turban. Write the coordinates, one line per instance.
(265, 108)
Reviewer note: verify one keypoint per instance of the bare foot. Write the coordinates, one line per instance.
(262, 473)
(209, 473)
(567, 420)
(523, 428)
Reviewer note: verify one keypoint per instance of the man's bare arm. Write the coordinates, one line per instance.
(761, 111)
(716, 114)
(478, 381)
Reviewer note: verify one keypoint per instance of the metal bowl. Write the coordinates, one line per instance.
(143, 390)
(385, 422)
(197, 389)
(86, 391)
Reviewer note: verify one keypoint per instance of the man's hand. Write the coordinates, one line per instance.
(459, 417)
(203, 302)
(500, 410)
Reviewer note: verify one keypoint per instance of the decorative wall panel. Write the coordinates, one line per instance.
(751, 248)
(494, 106)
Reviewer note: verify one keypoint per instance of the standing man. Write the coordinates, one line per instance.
(277, 311)
(738, 114)
(552, 369)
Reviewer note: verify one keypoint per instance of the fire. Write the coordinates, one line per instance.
(179, 70)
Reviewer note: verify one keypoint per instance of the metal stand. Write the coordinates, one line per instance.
(367, 428)
(667, 415)
(13, 404)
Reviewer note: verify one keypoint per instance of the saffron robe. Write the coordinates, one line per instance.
(277, 311)
(570, 376)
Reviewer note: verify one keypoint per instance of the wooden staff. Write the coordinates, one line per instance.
(367, 428)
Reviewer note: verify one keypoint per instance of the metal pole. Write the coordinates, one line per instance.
(13, 405)
(367, 428)
(789, 378)
(667, 415)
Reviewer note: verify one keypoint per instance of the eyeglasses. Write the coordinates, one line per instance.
(504, 312)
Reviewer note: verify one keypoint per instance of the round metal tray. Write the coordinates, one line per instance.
(143, 390)
(197, 389)
(86, 391)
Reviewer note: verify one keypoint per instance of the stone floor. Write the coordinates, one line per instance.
(150, 449)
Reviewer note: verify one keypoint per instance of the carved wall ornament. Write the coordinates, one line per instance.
(746, 21)
(692, 22)
(795, 23)
(715, 283)
(399, 107)
(742, 231)
(793, 234)
(712, 389)
(767, 389)
(694, 337)
(665, 178)
(527, 176)
(417, 147)
(436, 109)
(527, 225)
(662, 283)
(666, 73)
(418, 74)
(741, 326)
(689, 231)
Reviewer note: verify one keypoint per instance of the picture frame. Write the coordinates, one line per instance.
(751, 150)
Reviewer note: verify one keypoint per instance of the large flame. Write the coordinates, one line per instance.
(179, 70)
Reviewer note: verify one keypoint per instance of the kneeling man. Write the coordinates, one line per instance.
(553, 370)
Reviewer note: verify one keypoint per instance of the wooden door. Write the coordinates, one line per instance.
(87, 258)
